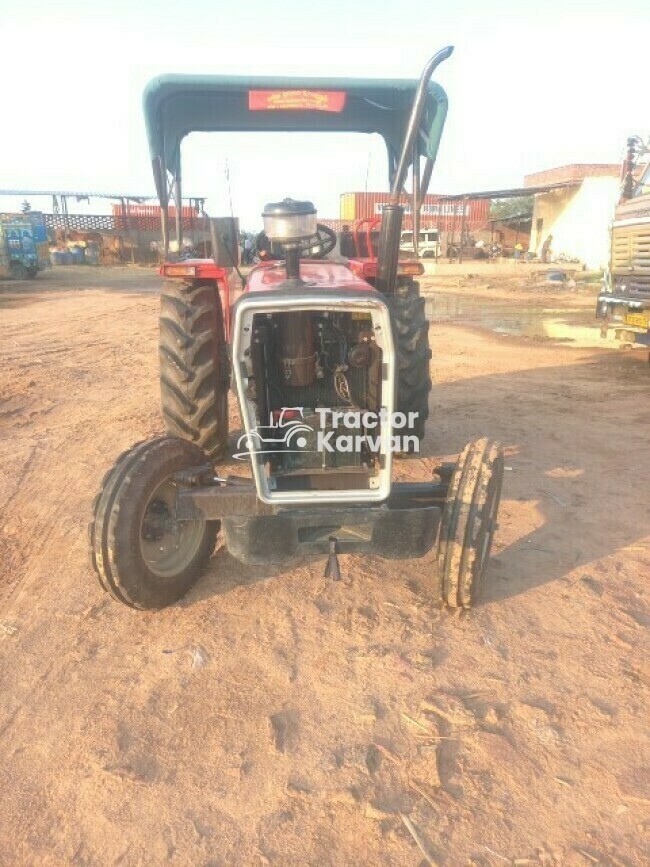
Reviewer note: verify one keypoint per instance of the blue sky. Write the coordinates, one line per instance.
(531, 86)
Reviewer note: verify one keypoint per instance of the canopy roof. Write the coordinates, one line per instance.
(175, 105)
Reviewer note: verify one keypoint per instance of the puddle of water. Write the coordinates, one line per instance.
(558, 325)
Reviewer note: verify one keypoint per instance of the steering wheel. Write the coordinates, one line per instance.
(316, 247)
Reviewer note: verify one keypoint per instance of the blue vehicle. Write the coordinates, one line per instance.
(24, 248)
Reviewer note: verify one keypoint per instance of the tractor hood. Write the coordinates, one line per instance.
(322, 275)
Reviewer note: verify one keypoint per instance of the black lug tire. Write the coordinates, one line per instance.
(17, 271)
(413, 354)
(118, 510)
(194, 366)
(469, 522)
(107, 491)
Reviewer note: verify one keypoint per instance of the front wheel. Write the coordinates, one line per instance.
(469, 520)
(142, 554)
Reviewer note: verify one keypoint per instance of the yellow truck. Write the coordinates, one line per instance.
(624, 302)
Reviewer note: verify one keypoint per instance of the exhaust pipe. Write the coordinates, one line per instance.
(391, 219)
(388, 253)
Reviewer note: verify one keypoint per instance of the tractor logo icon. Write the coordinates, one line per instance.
(287, 430)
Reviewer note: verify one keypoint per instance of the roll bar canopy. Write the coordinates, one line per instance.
(176, 105)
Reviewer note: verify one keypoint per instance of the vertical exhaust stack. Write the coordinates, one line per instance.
(389, 241)
(391, 221)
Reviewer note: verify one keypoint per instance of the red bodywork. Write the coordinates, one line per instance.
(354, 274)
(323, 273)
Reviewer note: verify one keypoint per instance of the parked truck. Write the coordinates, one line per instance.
(624, 302)
(24, 249)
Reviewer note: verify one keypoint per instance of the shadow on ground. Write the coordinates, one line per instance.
(121, 279)
(576, 443)
(576, 440)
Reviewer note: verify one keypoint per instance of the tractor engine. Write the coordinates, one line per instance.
(314, 369)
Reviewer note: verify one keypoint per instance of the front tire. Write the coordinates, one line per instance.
(411, 336)
(194, 368)
(469, 521)
(142, 556)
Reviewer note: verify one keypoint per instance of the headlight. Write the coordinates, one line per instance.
(289, 220)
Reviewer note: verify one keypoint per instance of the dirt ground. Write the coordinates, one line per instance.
(282, 719)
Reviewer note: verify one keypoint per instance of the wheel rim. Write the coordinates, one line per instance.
(487, 534)
(168, 546)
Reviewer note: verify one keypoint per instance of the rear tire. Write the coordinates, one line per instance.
(141, 555)
(411, 336)
(194, 368)
(469, 522)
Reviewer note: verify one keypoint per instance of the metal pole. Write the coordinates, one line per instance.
(128, 222)
(462, 232)
(66, 221)
(453, 231)
(426, 178)
(163, 196)
(178, 199)
(416, 200)
(138, 239)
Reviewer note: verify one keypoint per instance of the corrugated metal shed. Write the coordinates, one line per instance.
(437, 210)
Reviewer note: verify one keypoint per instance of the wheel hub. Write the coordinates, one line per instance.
(157, 521)
(167, 545)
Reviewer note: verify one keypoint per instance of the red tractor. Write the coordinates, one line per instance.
(330, 360)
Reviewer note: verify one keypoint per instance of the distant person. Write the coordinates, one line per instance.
(519, 249)
(248, 251)
(546, 248)
(263, 247)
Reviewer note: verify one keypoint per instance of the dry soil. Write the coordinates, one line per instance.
(279, 718)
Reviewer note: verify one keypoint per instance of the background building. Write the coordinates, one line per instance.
(576, 212)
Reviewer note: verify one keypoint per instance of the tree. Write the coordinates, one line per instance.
(25, 207)
(517, 207)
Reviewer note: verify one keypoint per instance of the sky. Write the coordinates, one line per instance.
(530, 86)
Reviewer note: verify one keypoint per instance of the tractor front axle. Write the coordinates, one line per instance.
(403, 527)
